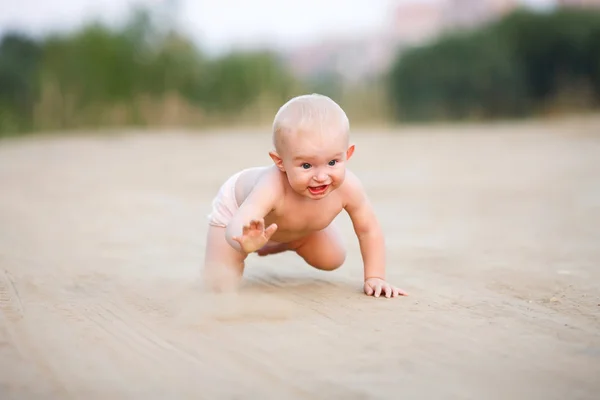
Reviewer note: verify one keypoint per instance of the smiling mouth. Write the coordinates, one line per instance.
(318, 189)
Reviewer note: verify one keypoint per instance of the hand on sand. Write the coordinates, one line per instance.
(254, 235)
(376, 287)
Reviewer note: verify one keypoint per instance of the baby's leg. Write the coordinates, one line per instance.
(274, 248)
(323, 249)
(223, 265)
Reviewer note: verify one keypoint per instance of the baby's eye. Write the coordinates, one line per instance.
(332, 162)
(306, 165)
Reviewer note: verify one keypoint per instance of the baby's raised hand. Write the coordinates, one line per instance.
(254, 235)
(376, 286)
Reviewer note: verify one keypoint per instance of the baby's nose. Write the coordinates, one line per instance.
(321, 177)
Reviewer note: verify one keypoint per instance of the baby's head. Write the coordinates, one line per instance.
(311, 140)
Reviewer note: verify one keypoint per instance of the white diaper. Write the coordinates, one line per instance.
(224, 205)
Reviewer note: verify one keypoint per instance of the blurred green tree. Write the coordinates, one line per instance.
(514, 67)
(19, 64)
(135, 74)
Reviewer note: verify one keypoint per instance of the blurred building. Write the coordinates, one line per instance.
(473, 13)
(409, 23)
(578, 3)
(348, 58)
(415, 22)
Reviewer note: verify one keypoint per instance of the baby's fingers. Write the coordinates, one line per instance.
(388, 291)
(245, 229)
(258, 224)
(270, 231)
(378, 289)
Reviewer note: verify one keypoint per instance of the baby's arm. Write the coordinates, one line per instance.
(246, 231)
(370, 237)
(366, 226)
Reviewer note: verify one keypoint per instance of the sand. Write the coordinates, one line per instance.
(493, 229)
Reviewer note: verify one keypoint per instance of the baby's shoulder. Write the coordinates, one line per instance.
(261, 180)
(352, 183)
(271, 178)
(352, 189)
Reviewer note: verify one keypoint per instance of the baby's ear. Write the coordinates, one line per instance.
(349, 152)
(277, 160)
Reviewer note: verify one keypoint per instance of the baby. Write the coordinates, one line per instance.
(290, 205)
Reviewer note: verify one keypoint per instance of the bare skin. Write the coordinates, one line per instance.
(273, 218)
(290, 206)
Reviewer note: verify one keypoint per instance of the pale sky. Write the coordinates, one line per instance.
(215, 24)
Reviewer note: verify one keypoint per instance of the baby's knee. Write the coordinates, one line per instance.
(331, 261)
(221, 278)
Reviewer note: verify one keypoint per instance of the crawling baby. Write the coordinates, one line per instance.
(290, 205)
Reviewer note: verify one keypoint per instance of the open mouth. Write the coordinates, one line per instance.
(317, 189)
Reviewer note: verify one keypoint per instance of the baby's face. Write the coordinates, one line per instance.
(316, 164)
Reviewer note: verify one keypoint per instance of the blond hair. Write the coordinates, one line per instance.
(308, 113)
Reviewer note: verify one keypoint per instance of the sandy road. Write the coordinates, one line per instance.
(494, 230)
